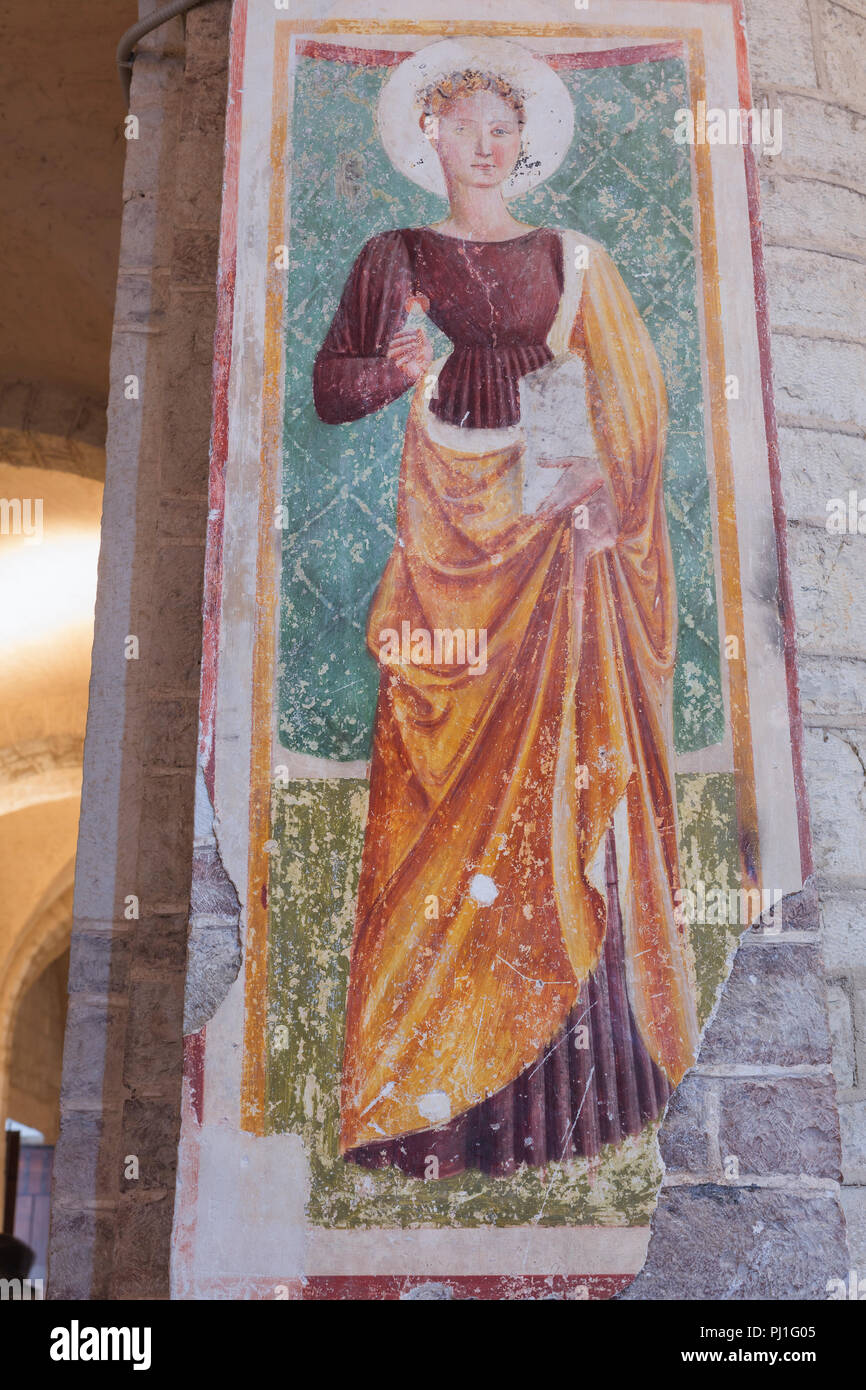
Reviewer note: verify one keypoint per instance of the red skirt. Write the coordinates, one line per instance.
(594, 1084)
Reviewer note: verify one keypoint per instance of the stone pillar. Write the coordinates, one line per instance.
(809, 61)
(122, 1067)
(762, 1093)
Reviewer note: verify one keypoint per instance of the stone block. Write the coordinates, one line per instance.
(165, 842)
(819, 380)
(800, 209)
(854, 1206)
(93, 1050)
(852, 1121)
(99, 961)
(187, 402)
(71, 1274)
(195, 256)
(779, 1126)
(171, 733)
(142, 299)
(87, 1154)
(151, 1129)
(818, 466)
(141, 1258)
(683, 1138)
(139, 237)
(829, 596)
(780, 42)
(823, 138)
(183, 519)
(772, 1010)
(160, 945)
(742, 1243)
(836, 780)
(817, 293)
(841, 1035)
(843, 39)
(154, 1052)
(844, 936)
(175, 658)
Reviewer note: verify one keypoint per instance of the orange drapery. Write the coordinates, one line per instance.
(450, 998)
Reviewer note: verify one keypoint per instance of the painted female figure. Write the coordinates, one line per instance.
(521, 988)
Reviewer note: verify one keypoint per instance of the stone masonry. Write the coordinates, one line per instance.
(750, 1208)
(763, 1090)
(122, 1067)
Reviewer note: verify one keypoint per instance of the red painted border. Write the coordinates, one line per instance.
(193, 1070)
(318, 1288)
(389, 58)
(613, 57)
(786, 594)
(486, 1287)
(345, 53)
(212, 599)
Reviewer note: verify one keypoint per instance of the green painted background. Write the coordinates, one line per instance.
(624, 183)
(319, 827)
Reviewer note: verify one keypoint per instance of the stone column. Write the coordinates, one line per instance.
(762, 1093)
(122, 1068)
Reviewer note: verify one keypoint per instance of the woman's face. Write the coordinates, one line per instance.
(477, 139)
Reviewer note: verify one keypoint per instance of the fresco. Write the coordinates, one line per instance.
(490, 584)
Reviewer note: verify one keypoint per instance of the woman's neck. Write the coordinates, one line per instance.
(479, 214)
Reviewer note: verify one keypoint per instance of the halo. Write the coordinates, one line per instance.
(549, 110)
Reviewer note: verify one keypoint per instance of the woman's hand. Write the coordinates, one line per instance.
(579, 477)
(412, 351)
(583, 486)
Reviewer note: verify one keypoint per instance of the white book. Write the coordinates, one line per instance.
(555, 424)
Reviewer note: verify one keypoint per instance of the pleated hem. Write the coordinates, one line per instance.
(594, 1084)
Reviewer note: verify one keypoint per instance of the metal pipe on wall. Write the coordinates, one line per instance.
(137, 31)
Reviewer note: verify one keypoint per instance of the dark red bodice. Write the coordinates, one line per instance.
(496, 301)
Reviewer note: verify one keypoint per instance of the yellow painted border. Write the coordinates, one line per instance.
(254, 1075)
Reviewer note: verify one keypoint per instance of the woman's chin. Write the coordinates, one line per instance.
(482, 179)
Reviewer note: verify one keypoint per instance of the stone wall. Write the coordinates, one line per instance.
(123, 1059)
(762, 1093)
(807, 59)
(768, 1225)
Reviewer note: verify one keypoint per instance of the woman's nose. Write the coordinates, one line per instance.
(483, 143)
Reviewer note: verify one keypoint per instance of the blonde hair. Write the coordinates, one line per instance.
(441, 93)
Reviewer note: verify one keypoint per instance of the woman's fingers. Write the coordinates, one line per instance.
(416, 343)
(412, 352)
(404, 359)
(403, 343)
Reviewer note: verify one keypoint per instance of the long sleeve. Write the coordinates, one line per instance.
(352, 376)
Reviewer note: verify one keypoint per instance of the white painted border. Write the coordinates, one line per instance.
(497, 1249)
